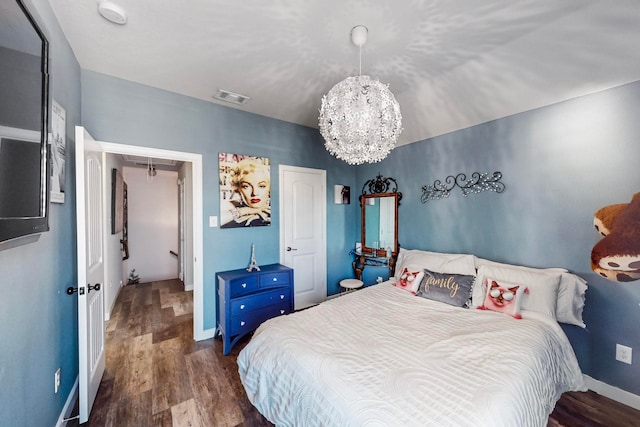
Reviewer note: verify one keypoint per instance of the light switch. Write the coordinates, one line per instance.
(213, 221)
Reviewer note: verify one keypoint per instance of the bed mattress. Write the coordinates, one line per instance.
(383, 357)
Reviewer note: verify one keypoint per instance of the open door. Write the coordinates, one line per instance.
(89, 213)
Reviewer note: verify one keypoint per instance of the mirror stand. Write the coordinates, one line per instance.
(379, 225)
(363, 260)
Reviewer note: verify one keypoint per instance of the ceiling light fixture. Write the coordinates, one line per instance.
(112, 12)
(360, 118)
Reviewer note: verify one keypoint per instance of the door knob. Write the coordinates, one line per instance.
(289, 249)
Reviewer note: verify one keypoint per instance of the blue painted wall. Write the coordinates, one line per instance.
(38, 321)
(560, 165)
(120, 111)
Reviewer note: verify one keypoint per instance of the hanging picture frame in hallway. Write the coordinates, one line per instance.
(245, 190)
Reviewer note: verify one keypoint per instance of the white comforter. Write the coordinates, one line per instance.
(383, 357)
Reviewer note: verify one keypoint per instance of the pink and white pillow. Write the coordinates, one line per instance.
(409, 280)
(503, 297)
(543, 287)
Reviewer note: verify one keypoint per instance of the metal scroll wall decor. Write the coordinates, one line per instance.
(381, 185)
(478, 183)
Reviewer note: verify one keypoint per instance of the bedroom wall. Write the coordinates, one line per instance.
(153, 223)
(114, 271)
(560, 164)
(124, 112)
(38, 321)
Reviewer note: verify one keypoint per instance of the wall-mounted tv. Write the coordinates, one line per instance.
(24, 118)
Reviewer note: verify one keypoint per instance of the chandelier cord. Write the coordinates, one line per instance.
(149, 168)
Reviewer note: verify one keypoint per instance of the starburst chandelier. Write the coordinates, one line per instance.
(360, 118)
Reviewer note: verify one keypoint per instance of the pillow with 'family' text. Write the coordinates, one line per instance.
(453, 289)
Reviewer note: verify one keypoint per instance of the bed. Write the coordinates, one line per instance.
(384, 356)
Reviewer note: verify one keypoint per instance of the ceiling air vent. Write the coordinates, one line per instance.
(234, 98)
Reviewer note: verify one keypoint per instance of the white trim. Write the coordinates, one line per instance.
(68, 406)
(615, 393)
(208, 333)
(17, 133)
(199, 333)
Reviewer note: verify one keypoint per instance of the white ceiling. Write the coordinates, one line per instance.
(450, 63)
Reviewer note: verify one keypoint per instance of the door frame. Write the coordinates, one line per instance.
(199, 332)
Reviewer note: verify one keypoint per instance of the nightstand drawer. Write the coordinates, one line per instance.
(259, 300)
(250, 321)
(243, 285)
(274, 279)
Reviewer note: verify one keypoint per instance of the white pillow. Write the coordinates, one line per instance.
(571, 291)
(571, 296)
(543, 287)
(479, 262)
(435, 261)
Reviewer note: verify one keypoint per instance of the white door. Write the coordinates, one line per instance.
(91, 351)
(303, 218)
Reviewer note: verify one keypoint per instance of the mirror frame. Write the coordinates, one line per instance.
(366, 250)
(14, 227)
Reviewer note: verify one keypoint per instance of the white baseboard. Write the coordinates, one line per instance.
(206, 334)
(107, 314)
(188, 287)
(612, 392)
(68, 406)
(341, 293)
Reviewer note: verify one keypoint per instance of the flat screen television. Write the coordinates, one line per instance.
(24, 118)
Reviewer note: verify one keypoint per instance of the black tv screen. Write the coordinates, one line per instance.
(24, 116)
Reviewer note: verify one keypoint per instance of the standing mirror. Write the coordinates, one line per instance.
(379, 225)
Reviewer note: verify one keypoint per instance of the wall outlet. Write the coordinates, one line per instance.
(56, 381)
(623, 353)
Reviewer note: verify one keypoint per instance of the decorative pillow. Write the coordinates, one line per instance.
(409, 280)
(571, 290)
(435, 261)
(543, 287)
(503, 297)
(453, 289)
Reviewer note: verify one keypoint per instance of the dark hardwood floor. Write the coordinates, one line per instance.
(156, 375)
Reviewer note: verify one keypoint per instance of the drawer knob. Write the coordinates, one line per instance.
(242, 323)
(241, 306)
(244, 285)
(281, 296)
(281, 311)
(275, 279)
